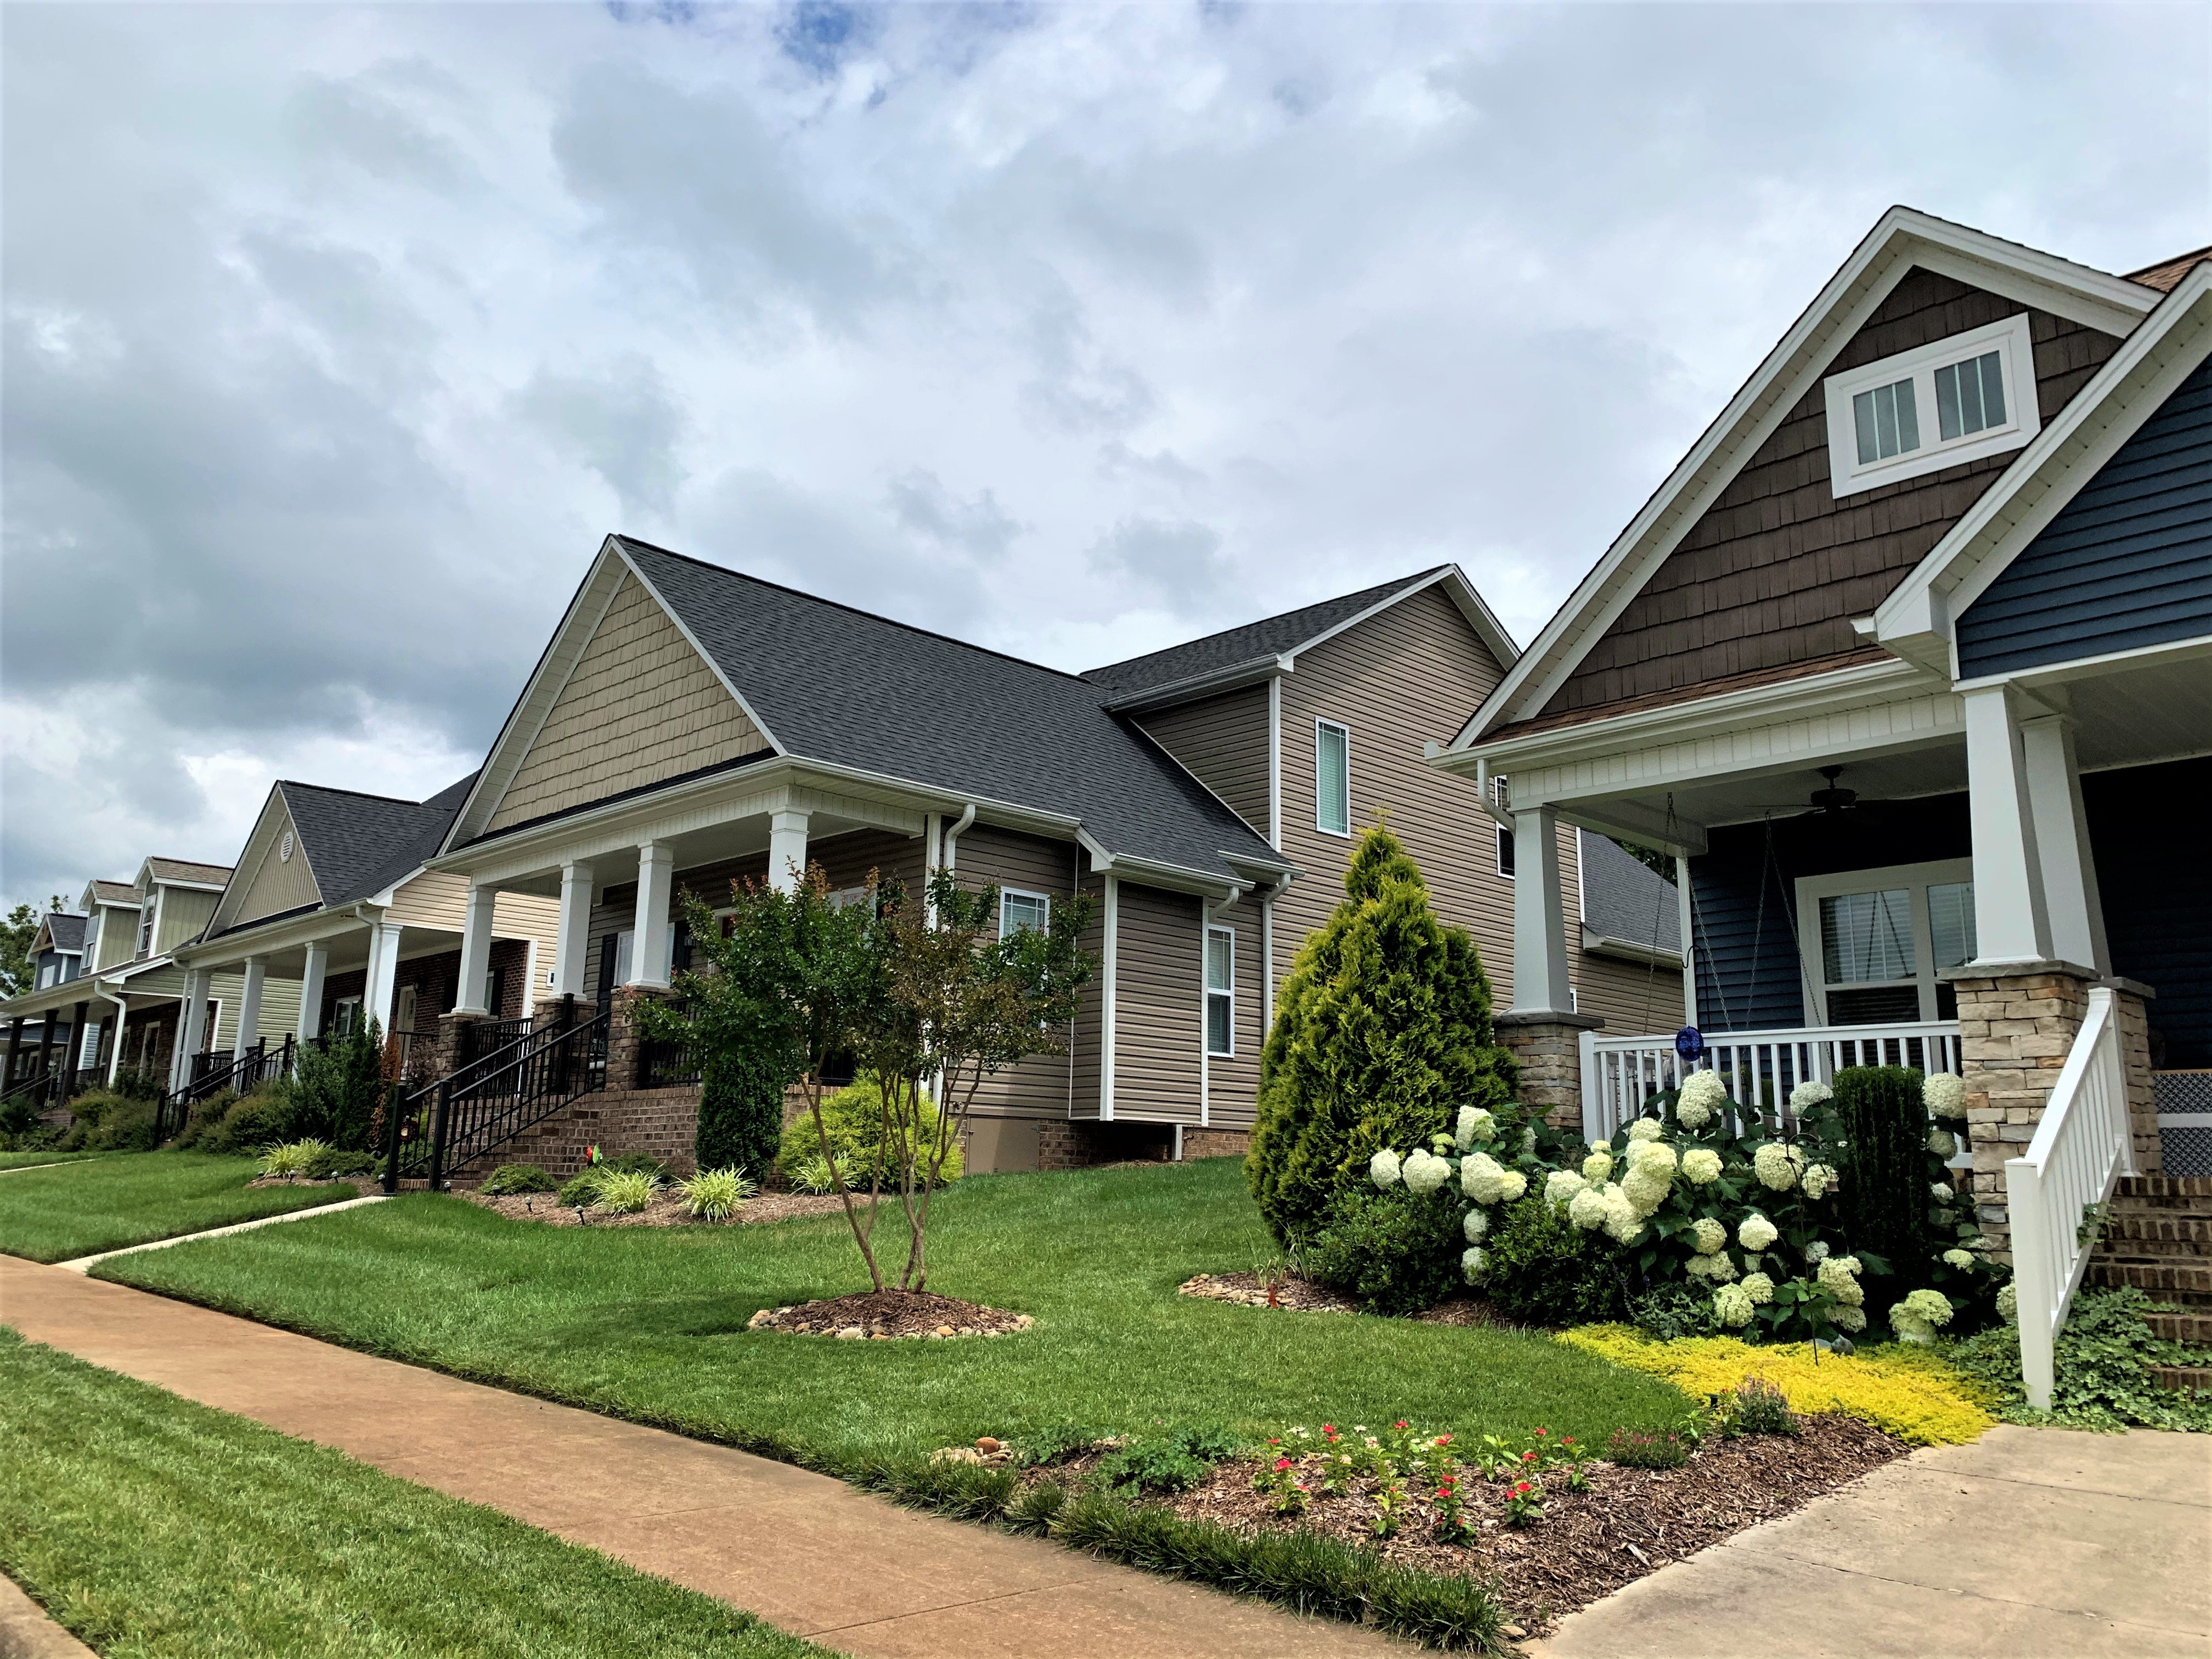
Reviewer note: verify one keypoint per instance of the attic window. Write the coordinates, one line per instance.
(1937, 405)
(284, 849)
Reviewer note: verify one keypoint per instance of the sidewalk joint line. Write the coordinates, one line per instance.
(82, 1263)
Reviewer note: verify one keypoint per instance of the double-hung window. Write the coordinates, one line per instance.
(1332, 778)
(1874, 940)
(1955, 400)
(1221, 991)
(1023, 912)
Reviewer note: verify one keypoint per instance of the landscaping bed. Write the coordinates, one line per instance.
(884, 1315)
(1287, 1293)
(667, 1209)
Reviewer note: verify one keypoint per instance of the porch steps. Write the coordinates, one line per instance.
(2159, 1239)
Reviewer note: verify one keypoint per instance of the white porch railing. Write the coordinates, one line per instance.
(1759, 1067)
(2082, 1146)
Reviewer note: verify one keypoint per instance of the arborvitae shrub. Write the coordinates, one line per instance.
(1383, 1032)
(740, 1113)
(1884, 1200)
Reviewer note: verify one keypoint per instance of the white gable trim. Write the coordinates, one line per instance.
(1901, 239)
(1461, 593)
(1916, 622)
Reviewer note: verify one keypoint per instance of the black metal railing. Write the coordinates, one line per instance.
(668, 1062)
(481, 1106)
(482, 1037)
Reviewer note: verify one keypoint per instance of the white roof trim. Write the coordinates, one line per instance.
(1901, 239)
(1462, 593)
(260, 842)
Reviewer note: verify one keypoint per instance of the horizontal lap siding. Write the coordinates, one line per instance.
(1233, 1083)
(1223, 743)
(1158, 1006)
(1632, 998)
(1042, 1084)
(436, 898)
(2127, 562)
(1775, 569)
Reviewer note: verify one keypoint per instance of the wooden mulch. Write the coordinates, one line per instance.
(884, 1315)
(666, 1210)
(1293, 1295)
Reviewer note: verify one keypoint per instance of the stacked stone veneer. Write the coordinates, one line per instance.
(1549, 1050)
(2015, 1031)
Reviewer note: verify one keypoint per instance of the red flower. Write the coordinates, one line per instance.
(1527, 1457)
(1566, 1440)
(1399, 1424)
(1273, 1441)
(1282, 1463)
(1523, 1490)
(1328, 1428)
(1443, 1440)
(1539, 1431)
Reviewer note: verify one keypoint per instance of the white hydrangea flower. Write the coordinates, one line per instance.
(1959, 1258)
(1707, 1234)
(1384, 1168)
(1654, 1155)
(1809, 1094)
(1816, 1251)
(1486, 1181)
(1821, 1180)
(1917, 1318)
(1623, 1225)
(1733, 1304)
(1561, 1186)
(1839, 1275)
(1942, 1192)
(1475, 1123)
(1597, 1168)
(1759, 1287)
(1423, 1172)
(1776, 1165)
(1718, 1267)
(1703, 1096)
(1645, 1191)
(1472, 1261)
(1476, 1224)
(1587, 1209)
(1646, 1128)
(1756, 1232)
(1848, 1319)
(2008, 1304)
(1701, 1166)
(1944, 1094)
(1943, 1142)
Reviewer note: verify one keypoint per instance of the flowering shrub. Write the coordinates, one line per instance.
(1524, 1503)
(1917, 1318)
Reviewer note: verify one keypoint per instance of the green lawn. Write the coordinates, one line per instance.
(649, 1323)
(21, 1160)
(56, 1215)
(151, 1526)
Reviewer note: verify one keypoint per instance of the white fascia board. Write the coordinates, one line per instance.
(2108, 411)
(1604, 945)
(1254, 671)
(704, 655)
(1901, 239)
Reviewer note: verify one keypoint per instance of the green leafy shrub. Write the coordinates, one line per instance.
(339, 1086)
(2102, 1363)
(1882, 1206)
(740, 1110)
(337, 1162)
(106, 1121)
(1757, 1407)
(853, 1117)
(1543, 1270)
(232, 1126)
(1173, 1461)
(514, 1179)
(716, 1195)
(625, 1191)
(1051, 1445)
(1633, 1449)
(1672, 1309)
(139, 1082)
(1382, 1033)
(1395, 1251)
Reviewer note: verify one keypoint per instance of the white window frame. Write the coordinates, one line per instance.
(1227, 994)
(149, 919)
(2014, 342)
(1320, 726)
(1916, 877)
(1044, 923)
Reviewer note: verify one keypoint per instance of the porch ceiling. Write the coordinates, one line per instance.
(716, 843)
(1897, 775)
(2160, 711)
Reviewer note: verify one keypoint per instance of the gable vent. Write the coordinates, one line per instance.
(284, 849)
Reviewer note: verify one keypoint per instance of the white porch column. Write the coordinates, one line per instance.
(476, 949)
(249, 1006)
(311, 991)
(192, 1030)
(383, 977)
(2062, 842)
(573, 946)
(1540, 920)
(656, 882)
(786, 850)
(2011, 922)
(122, 1016)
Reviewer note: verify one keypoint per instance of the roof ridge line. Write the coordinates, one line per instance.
(1277, 616)
(358, 794)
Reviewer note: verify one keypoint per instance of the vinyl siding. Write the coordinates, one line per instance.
(641, 707)
(184, 912)
(1232, 1089)
(280, 1008)
(1158, 1004)
(276, 885)
(118, 937)
(1043, 1085)
(1223, 742)
(1774, 570)
(2156, 885)
(2127, 562)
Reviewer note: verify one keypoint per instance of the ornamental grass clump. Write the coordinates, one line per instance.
(716, 1195)
(293, 1159)
(625, 1191)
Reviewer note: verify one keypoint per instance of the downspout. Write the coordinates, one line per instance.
(122, 1002)
(952, 832)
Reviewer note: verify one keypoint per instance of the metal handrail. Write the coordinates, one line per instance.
(460, 1117)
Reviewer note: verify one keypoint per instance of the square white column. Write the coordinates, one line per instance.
(476, 949)
(786, 850)
(383, 976)
(572, 951)
(193, 1034)
(311, 991)
(2011, 922)
(2062, 842)
(649, 945)
(1540, 921)
(249, 1006)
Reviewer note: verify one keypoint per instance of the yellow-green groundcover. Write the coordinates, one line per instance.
(1914, 1396)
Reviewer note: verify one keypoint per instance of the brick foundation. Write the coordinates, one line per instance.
(1216, 1143)
(1547, 1048)
(1076, 1145)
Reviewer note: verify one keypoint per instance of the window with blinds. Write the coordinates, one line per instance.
(1221, 991)
(1332, 778)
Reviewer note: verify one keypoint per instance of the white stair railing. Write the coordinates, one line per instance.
(2081, 1148)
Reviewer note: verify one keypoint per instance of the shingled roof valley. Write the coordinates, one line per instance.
(359, 844)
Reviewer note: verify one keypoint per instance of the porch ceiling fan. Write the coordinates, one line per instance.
(1831, 804)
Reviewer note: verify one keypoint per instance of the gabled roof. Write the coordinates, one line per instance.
(1624, 898)
(60, 930)
(358, 845)
(186, 869)
(1901, 239)
(2166, 276)
(1204, 665)
(114, 892)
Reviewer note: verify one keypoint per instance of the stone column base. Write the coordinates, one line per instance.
(1547, 1045)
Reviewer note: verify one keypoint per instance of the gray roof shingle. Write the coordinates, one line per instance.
(359, 844)
(1624, 898)
(1268, 637)
(837, 684)
(65, 929)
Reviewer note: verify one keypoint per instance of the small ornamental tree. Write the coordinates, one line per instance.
(1884, 1159)
(1382, 1033)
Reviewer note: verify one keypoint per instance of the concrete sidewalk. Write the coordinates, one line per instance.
(805, 1552)
(2031, 1544)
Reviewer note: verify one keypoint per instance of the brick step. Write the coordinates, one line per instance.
(2183, 1379)
(2162, 1227)
(2152, 1253)
(2193, 1328)
(2189, 1286)
(2164, 1186)
(2198, 1210)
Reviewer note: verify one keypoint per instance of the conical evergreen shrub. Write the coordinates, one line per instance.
(1382, 1033)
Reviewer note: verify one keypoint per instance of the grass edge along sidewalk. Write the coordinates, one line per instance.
(111, 1203)
(148, 1525)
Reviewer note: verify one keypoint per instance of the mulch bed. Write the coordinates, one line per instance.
(1587, 1544)
(1302, 1295)
(885, 1315)
(361, 1181)
(666, 1210)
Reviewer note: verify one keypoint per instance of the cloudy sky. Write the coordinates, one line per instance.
(335, 338)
